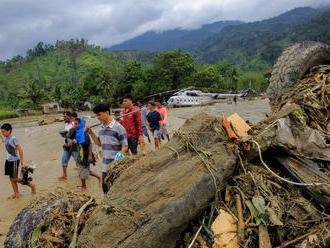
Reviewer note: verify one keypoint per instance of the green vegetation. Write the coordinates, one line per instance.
(256, 46)
(6, 114)
(55, 72)
(73, 72)
(252, 46)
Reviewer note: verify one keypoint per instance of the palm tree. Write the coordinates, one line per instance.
(106, 84)
(33, 90)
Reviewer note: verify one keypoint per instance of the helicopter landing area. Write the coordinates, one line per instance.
(250, 110)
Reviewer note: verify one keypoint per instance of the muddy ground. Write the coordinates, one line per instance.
(42, 144)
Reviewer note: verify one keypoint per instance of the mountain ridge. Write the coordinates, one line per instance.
(244, 44)
(167, 40)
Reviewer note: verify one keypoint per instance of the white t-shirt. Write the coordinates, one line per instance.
(68, 126)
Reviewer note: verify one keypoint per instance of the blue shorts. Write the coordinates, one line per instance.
(67, 155)
(145, 131)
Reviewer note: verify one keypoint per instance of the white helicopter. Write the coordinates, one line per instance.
(192, 97)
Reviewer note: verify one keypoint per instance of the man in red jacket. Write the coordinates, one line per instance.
(133, 125)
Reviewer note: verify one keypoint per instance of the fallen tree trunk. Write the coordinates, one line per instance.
(154, 198)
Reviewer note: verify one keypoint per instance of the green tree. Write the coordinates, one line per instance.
(72, 95)
(90, 81)
(140, 89)
(26, 104)
(58, 92)
(170, 70)
(132, 73)
(230, 74)
(208, 77)
(33, 89)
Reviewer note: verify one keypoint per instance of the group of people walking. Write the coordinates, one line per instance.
(119, 135)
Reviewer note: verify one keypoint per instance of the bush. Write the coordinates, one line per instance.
(94, 100)
(6, 114)
(26, 104)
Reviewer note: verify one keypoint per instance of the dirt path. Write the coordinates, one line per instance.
(42, 144)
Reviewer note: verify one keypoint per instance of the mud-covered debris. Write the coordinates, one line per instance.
(48, 120)
(48, 221)
(312, 95)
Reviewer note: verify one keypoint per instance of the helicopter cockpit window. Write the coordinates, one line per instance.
(191, 94)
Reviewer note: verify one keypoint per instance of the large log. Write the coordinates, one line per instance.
(154, 196)
(154, 199)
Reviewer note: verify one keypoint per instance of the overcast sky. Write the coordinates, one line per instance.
(23, 23)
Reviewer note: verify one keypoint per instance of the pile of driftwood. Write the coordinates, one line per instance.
(312, 97)
(60, 228)
(284, 202)
(258, 210)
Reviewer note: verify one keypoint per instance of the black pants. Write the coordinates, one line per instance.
(132, 145)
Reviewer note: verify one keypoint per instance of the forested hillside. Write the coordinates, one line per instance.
(62, 65)
(252, 46)
(71, 72)
(255, 46)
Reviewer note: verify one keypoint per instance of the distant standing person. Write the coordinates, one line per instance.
(67, 150)
(14, 157)
(144, 113)
(154, 123)
(235, 99)
(163, 112)
(112, 137)
(117, 116)
(133, 125)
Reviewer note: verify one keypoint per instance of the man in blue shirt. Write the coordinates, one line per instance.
(154, 123)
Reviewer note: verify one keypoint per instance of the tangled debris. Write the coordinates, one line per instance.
(312, 96)
(64, 222)
(258, 209)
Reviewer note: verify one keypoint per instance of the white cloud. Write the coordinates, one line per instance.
(107, 22)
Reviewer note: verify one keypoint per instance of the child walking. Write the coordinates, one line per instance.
(14, 157)
(154, 123)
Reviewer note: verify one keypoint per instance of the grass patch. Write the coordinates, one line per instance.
(6, 114)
